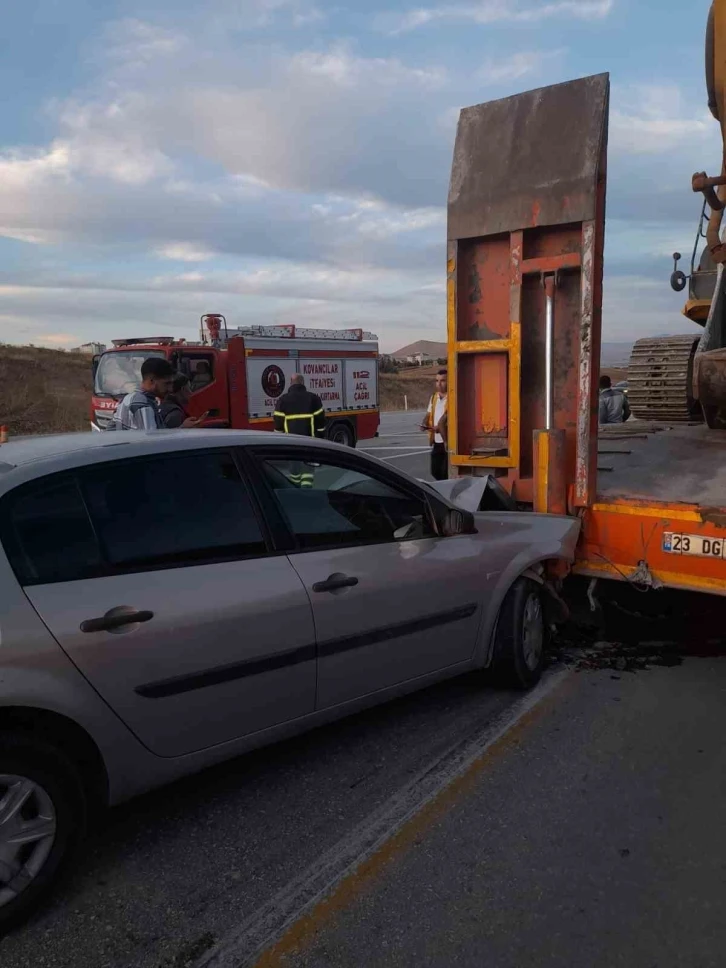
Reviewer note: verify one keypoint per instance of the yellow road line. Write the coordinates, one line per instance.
(292, 919)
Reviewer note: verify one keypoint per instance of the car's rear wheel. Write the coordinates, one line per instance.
(342, 433)
(42, 822)
(520, 637)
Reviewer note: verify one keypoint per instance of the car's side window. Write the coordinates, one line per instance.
(199, 367)
(171, 510)
(47, 533)
(122, 516)
(327, 504)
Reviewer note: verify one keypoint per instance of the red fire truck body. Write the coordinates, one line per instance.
(238, 376)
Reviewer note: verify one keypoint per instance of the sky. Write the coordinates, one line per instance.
(287, 161)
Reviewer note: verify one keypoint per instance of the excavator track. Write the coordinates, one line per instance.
(660, 379)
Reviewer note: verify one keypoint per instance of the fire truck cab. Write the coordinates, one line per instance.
(236, 376)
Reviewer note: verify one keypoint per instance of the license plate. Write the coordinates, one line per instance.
(693, 544)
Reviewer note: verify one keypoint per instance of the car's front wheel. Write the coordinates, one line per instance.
(520, 637)
(42, 822)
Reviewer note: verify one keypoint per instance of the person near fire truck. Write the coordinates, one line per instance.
(435, 422)
(300, 412)
(174, 405)
(139, 410)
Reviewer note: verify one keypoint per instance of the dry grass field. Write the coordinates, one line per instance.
(46, 391)
(43, 391)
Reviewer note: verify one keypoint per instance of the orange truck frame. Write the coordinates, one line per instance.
(526, 225)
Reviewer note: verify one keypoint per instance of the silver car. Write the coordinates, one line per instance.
(176, 598)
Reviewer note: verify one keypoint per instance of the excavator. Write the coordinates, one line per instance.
(682, 379)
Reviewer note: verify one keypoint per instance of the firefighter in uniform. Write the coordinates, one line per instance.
(300, 412)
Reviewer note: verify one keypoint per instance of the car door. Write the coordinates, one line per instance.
(155, 577)
(391, 599)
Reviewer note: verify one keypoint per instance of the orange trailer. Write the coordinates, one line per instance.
(526, 220)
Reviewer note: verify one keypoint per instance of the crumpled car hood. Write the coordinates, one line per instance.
(465, 492)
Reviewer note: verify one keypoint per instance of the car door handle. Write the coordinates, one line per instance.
(334, 582)
(115, 620)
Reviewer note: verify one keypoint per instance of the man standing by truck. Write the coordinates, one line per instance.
(614, 407)
(299, 411)
(435, 423)
(139, 410)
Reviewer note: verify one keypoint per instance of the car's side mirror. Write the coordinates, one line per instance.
(457, 521)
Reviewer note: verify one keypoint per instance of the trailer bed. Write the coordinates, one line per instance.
(654, 462)
(659, 519)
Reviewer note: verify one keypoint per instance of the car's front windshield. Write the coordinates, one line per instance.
(119, 372)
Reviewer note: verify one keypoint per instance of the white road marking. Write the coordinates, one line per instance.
(413, 453)
(242, 948)
(418, 433)
(391, 447)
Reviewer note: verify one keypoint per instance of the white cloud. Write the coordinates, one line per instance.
(343, 68)
(102, 139)
(318, 120)
(183, 252)
(134, 43)
(498, 11)
(59, 339)
(244, 15)
(654, 119)
(516, 65)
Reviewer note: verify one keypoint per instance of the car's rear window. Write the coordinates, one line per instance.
(50, 534)
(132, 515)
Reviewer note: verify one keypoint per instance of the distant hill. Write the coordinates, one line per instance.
(615, 354)
(434, 350)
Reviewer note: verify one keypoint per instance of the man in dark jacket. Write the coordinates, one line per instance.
(299, 411)
(173, 409)
(614, 407)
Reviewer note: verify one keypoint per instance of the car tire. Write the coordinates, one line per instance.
(341, 433)
(41, 794)
(520, 637)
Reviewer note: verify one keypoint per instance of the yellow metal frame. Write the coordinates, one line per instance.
(542, 475)
(664, 513)
(673, 579)
(512, 347)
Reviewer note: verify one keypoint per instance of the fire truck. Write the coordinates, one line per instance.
(237, 376)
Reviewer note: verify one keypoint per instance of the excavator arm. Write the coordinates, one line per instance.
(682, 378)
(714, 189)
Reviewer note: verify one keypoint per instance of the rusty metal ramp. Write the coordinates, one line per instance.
(528, 160)
(526, 217)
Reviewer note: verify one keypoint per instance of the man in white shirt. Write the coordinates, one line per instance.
(435, 424)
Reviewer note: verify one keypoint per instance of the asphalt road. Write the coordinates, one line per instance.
(593, 837)
(401, 443)
(175, 870)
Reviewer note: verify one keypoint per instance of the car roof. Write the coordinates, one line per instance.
(24, 458)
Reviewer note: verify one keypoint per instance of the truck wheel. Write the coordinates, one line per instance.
(520, 637)
(42, 822)
(342, 433)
